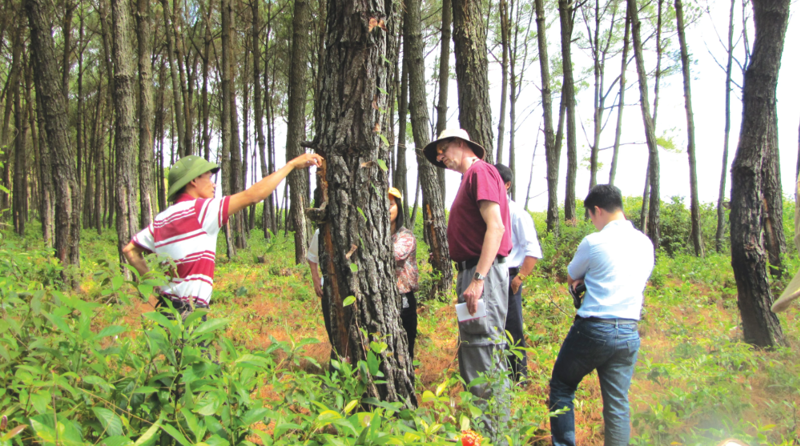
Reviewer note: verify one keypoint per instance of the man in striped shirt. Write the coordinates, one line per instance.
(187, 231)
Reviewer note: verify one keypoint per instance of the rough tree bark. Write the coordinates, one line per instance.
(565, 13)
(296, 126)
(355, 242)
(748, 254)
(54, 108)
(435, 222)
(697, 239)
(472, 73)
(147, 197)
(125, 142)
(649, 128)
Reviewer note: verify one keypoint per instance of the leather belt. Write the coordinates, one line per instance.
(609, 321)
(467, 264)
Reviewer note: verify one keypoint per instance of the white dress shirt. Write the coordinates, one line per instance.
(615, 264)
(524, 242)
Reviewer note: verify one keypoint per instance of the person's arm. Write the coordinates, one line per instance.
(524, 271)
(315, 278)
(261, 190)
(135, 256)
(579, 265)
(490, 211)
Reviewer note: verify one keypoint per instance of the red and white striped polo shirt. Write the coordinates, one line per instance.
(187, 232)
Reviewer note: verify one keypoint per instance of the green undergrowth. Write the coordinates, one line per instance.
(76, 369)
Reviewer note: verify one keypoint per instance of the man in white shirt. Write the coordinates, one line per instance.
(614, 264)
(525, 252)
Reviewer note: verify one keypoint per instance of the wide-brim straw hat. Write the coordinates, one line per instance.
(792, 291)
(395, 192)
(430, 149)
(185, 170)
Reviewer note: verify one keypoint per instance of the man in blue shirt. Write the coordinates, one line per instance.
(525, 252)
(614, 264)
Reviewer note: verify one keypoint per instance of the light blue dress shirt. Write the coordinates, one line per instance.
(524, 242)
(615, 264)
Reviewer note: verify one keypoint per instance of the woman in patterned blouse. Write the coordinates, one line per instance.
(405, 257)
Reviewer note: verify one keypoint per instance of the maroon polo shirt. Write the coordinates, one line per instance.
(466, 228)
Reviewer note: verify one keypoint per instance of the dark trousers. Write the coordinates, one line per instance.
(408, 316)
(519, 366)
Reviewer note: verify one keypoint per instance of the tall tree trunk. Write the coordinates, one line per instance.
(177, 104)
(54, 107)
(296, 125)
(748, 254)
(444, 78)
(237, 225)
(43, 166)
(649, 127)
(647, 197)
(565, 13)
(697, 240)
(472, 73)
(401, 172)
(351, 146)
(20, 208)
(79, 140)
(516, 90)
(258, 106)
(626, 42)
(125, 142)
(774, 237)
(504, 42)
(227, 168)
(720, 234)
(552, 150)
(146, 194)
(432, 200)
(204, 93)
(66, 64)
(159, 127)
(180, 55)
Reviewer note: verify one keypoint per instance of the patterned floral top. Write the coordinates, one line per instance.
(405, 257)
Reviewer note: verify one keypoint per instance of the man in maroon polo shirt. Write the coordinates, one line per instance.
(479, 243)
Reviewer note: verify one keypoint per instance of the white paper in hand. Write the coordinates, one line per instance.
(464, 315)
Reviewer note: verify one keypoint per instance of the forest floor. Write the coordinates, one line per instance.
(696, 382)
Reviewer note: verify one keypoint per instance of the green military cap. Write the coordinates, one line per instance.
(185, 170)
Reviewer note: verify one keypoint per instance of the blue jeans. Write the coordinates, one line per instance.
(611, 350)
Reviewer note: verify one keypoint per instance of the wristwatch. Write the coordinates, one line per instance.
(521, 276)
(478, 276)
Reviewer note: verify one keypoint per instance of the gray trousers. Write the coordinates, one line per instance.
(482, 341)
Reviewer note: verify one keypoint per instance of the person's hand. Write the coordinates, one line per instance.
(318, 289)
(471, 295)
(576, 283)
(306, 160)
(515, 284)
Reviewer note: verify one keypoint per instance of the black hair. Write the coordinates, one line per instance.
(400, 222)
(505, 173)
(604, 196)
